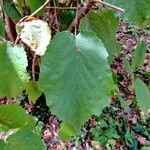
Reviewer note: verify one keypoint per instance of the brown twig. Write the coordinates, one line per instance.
(16, 40)
(109, 5)
(33, 66)
(2, 39)
(62, 8)
(86, 8)
(82, 12)
(76, 19)
(56, 19)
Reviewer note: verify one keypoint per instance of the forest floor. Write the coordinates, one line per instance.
(120, 125)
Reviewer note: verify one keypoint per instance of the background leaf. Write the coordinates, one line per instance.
(105, 26)
(11, 9)
(2, 145)
(24, 140)
(66, 131)
(145, 148)
(34, 5)
(21, 6)
(76, 77)
(142, 95)
(127, 66)
(136, 11)
(123, 103)
(12, 70)
(13, 116)
(139, 55)
(32, 90)
(2, 28)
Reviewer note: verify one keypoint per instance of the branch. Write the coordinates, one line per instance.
(109, 5)
(86, 8)
(2, 39)
(56, 19)
(82, 12)
(33, 66)
(62, 8)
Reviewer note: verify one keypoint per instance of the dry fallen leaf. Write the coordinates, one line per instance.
(36, 34)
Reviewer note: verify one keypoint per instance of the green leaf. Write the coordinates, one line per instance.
(76, 77)
(66, 131)
(128, 68)
(13, 116)
(127, 65)
(142, 95)
(11, 10)
(20, 5)
(145, 148)
(32, 90)
(2, 145)
(139, 55)
(136, 11)
(65, 21)
(2, 28)
(123, 103)
(105, 26)
(130, 139)
(12, 70)
(34, 5)
(24, 140)
(111, 133)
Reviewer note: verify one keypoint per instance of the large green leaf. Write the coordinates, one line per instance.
(24, 140)
(13, 116)
(13, 74)
(2, 28)
(139, 55)
(137, 11)
(105, 26)
(142, 95)
(76, 77)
